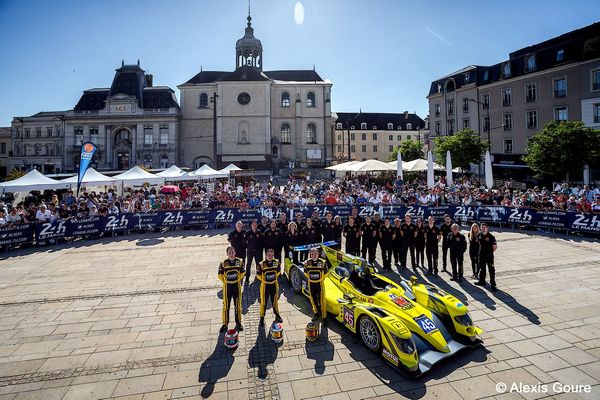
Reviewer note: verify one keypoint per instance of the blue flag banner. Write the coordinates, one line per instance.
(88, 149)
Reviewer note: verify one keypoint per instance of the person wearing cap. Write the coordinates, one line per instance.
(43, 214)
(267, 272)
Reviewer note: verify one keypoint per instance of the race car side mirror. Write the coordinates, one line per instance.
(349, 297)
(413, 280)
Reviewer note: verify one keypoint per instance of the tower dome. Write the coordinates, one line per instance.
(248, 49)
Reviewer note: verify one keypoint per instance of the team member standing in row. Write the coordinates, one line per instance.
(267, 273)
(446, 229)
(408, 230)
(432, 238)
(292, 239)
(352, 235)
(420, 244)
(253, 240)
(387, 234)
(457, 245)
(369, 234)
(488, 246)
(273, 239)
(315, 269)
(231, 273)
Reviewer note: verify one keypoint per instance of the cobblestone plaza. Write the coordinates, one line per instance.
(138, 317)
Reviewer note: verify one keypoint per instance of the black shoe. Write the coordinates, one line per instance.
(453, 278)
(262, 321)
(460, 279)
(428, 273)
(278, 318)
(239, 328)
(444, 269)
(223, 328)
(479, 283)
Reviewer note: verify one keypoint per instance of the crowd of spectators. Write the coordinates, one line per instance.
(297, 192)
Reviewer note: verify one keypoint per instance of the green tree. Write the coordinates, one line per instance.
(465, 148)
(410, 150)
(561, 149)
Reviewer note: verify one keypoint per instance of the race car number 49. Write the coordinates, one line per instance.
(425, 323)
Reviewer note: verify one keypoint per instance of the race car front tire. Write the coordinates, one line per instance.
(296, 280)
(369, 333)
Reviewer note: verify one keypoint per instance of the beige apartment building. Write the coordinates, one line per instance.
(5, 150)
(558, 79)
(375, 135)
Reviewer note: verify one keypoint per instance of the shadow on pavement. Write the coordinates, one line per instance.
(320, 350)
(215, 367)
(263, 353)
(513, 304)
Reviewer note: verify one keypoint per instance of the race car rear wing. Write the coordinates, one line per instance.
(306, 247)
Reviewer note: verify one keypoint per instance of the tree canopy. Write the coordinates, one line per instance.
(409, 149)
(465, 148)
(561, 149)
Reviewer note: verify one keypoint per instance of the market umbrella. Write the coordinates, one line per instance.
(343, 166)
(430, 178)
(448, 169)
(371, 166)
(170, 189)
(489, 178)
(416, 165)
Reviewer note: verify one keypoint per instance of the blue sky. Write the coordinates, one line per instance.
(381, 55)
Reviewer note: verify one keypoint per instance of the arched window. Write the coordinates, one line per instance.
(311, 134)
(203, 103)
(363, 125)
(338, 125)
(390, 126)
(286, 134)
(285, 99)
(310, 100)
(409, 126)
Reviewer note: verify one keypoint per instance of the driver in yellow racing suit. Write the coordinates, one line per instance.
(231, 273)
(267, 273)
(315, 269)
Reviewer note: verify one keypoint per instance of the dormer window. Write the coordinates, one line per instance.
(363, 125)
(409, 126)
(338, 125)
(560, 55)
(390, 126)
(486, 75)
(467, 78)
(530, 63)
(374, 127)
(506, 70)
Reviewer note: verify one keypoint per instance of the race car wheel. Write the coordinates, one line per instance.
(369, 333)
(296, 280)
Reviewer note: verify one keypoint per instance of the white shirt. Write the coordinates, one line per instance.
(43, 216)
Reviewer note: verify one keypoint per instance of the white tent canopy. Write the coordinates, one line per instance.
(417, 165)
(91, 177)
(33, 180)
(206, 172)
(371, 166)
(229, 168)
(174, 173)
(343, 166)
(137, 176)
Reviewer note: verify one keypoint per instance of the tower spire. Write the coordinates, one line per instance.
(249, 16)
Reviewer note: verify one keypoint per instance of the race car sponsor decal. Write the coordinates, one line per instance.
(270, 276)
(370, 301)
(349, 316)
(304, 286)
(315, 275)
(232, 276)
(401, 301)
(459, 305)
(389, 356)
(425, 323)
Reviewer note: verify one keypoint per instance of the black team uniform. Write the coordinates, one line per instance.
(254, 246)
(238, 242)
(311, 235)
(408, 243)
(315, 271)
(369, 235)
(329, 230)
(457, 245)
(486, 258)
(446, 230)
(231, 273)
(432, 248)
(386, 240)
(291, 241)
(273, 239)
(267, 273)
(474, 253)
(397, 244)
(352, 239)
(420, 246)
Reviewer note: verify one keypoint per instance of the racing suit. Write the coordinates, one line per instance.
(231, 273)
(267, 273)
(315, 271)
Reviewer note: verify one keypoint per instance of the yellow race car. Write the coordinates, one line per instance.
(412, 325)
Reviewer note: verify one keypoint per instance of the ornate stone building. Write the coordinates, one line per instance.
(258, 119)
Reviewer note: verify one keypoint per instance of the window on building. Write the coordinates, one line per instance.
(148, 139)
(203, 102)
(375, 148)
(285, 99)
(532, 120)
(507, 122)
(38, 150)
(450, 107)
(485, 100)
(486, 75)
(450, 127)
(339, 148)
(310, 100)
(506, 70)
(374, 136)
(374, 126)
(438, 110)
(286, 134)
(390, 126)
(409, 126)
(507, 97)
(311, 134)
(408, 137)
(27, 132)
(560, 87)
(364, 137)
(49, 132)
(352, 136)
(399, 138)
(339, 137)
(163, 139)
(364, 148)
(38, 132)
(3, 148)
(560, 55)
(78, 131)
(530, 63)
(94, 134)
(391, 148)
(465, 105)
(466, 123)
(437, 127)
(148, 160)
(363, 125)
(352, 149)
(531, 92)
(486, 123)
(596, 79)
(338, 125)
(596, 108)
(508, 146)
(390, 137)
(561, 114)
(467, 78)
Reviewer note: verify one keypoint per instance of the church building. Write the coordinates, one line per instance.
(264, 120)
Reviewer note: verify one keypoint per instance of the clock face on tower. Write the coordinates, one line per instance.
(243, 98)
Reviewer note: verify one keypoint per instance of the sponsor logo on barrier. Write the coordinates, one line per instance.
(173, 218)
(51, 230)
(389, 356)
(224, 216)
(116, 223)
(520, 217)
(464, 213)
(586, 222)
(415, 212)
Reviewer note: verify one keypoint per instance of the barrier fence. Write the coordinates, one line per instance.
(43, 232)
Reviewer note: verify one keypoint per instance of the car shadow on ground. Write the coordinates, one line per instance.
(215, 367)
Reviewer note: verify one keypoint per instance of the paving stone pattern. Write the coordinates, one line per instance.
(138, 317)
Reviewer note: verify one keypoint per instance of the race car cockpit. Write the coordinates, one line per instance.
(361, 278)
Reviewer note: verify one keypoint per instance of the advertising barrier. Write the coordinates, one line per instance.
(50, 231)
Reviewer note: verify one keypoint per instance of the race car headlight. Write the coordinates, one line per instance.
(464, 320)
(406, 346)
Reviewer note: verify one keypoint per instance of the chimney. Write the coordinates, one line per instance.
(406, 114)
(148, 80)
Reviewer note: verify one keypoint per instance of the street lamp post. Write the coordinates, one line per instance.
(350, 120)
